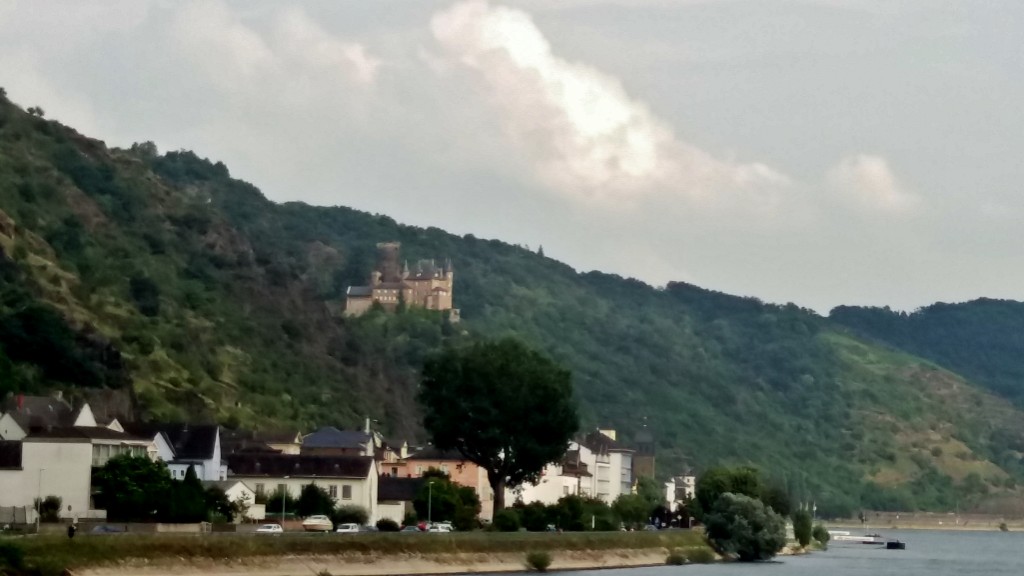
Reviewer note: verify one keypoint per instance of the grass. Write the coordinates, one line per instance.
(54, 554)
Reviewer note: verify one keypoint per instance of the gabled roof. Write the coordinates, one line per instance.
(38, 412)
(299, 465)
(84, 433)
(224, 485)
(10, 454)
(189, 441)
(235, 441)
(600, 443)
(331, 437)
(390, 489)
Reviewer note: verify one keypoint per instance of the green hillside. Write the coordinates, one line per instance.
(162, 277)
(983, 339)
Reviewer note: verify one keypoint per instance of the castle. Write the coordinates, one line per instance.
(426, 285)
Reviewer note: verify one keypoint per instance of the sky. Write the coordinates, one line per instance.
(821, 152)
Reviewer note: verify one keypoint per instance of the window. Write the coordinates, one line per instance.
(444, 468)
(333, 490)
(260, 489)
(346, 492)
(565, 490)
(394, 471)
(419, 470)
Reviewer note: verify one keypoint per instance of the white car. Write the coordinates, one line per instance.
(270, 529)
(440, 528)
(348, 528)
(317, 524)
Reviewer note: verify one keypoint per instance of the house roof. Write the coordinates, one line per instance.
(390, 489)
(10, 454)
(300, 465)
(331, 437)
(224, 485)
(84, 433)
(189, 441)
(359, 291)
(38, 412)
(599, 442)
(234, 441)
(432, 453)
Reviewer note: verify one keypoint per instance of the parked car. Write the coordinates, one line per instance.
(317, 524)
(411, 529)
(650, 527)
(368, 528)
(440, 528)
(348, 528)
(270, 529)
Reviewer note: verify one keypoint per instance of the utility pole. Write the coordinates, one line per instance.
(39, 499)
(430, 503)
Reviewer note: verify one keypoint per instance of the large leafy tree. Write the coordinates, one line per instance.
(314, 500)
(743, 527)
(503, 406)
(133, 488)
(713, 483)
(440, 499)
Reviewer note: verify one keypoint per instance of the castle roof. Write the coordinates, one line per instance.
(359, 291)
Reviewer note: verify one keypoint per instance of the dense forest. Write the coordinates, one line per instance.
(159, 276)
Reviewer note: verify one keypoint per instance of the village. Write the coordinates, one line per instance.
(51, 448)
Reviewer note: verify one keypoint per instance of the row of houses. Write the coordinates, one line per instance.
(47, 447)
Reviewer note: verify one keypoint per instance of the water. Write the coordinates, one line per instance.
(928, 553)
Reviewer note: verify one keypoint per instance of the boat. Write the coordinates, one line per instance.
(895, 545)
(318, 524)
(844, 536)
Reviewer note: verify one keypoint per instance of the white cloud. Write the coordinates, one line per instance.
(585, 136)
(867, 181)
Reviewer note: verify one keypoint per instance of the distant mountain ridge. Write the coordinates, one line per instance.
(161, 276)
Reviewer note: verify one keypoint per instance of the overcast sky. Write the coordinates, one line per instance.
(822, 152)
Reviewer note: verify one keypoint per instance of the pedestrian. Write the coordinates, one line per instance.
(71, 530)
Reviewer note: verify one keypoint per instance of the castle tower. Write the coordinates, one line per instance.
(387, 261)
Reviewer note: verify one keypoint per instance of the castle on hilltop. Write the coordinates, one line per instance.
(426, 285)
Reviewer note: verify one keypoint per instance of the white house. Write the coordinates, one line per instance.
(612, 467)
(350, 480)
(59, 462)
(239, 492)
(570, 476)
(184, 445)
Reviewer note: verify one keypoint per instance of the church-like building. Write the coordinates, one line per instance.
(427, 284)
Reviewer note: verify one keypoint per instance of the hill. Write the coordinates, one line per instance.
(983, 339)
(162, 279)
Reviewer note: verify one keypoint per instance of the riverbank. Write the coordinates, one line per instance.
(928, 521)
(343, 554)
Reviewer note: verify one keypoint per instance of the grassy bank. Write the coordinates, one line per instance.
(46, 555)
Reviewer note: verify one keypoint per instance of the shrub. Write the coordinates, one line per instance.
(506, 520)
(743, 527)
(675, 558)
(11, 556)
(387, 525)
(1003, 527)
(802, 527)
(538, 561)
(350, 514)
(49, 508)
(821, 535)
(700, 555)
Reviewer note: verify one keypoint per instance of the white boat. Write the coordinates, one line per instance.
(318, 524)
(844, 536)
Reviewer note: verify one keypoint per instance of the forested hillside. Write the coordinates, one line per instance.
(982, 340)
(161, 276)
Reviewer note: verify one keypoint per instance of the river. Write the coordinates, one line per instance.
(928, 553)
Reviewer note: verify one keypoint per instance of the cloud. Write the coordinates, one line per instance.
(585, 136)
(867, 181)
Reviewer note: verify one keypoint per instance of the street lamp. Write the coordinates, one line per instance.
(39, 499)
(430, 502)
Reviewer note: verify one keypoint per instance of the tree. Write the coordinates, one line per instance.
(802, 527)
(49, 508)
(314, 500)
(742, 527)
(717, 481)
(632, 509)
(187, 500)
(441, 500)
(350, 514)
(503, 406)
(218, 504)
(652, 492)
(279, 500)
(132, 488)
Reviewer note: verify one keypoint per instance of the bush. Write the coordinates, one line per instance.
(11, 556)
(675, 558)
(49, 508)
(742, 527)
(388, 525)
(1003, 527)
(802, 527)
(506, 520)
(700, 555)
(821, 535)
(538, 561)
(350, 514)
